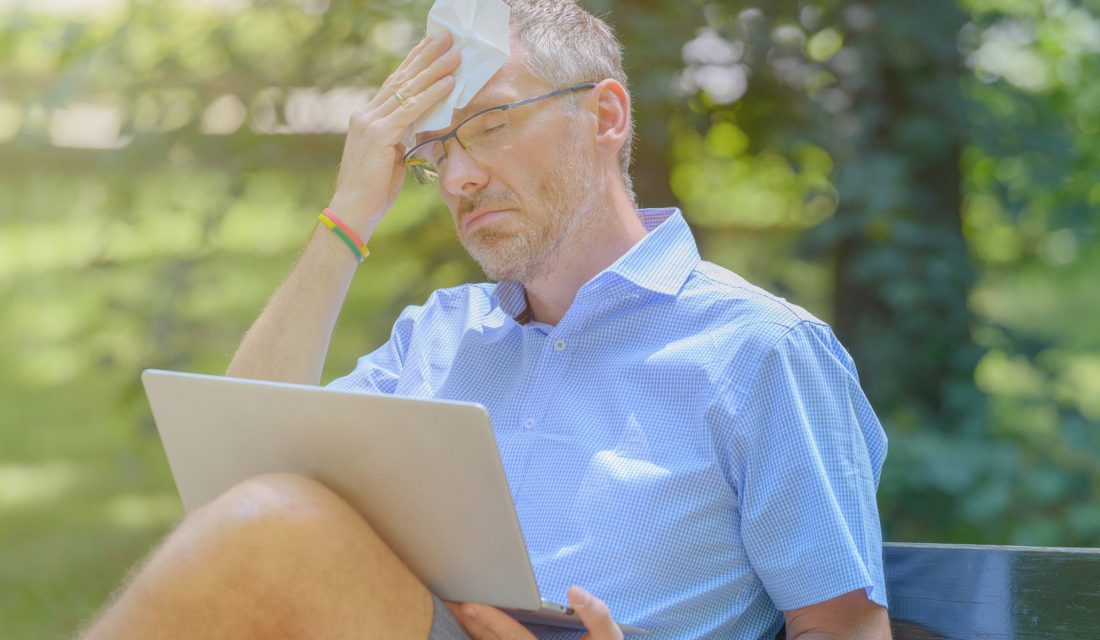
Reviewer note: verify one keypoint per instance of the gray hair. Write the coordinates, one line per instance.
(566, 45)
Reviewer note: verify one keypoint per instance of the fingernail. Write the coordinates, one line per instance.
(470, 612)
(580, 596)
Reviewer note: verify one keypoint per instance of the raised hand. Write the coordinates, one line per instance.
(371, 170)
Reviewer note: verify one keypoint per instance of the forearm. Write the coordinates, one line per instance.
(875, 626)
(851, 616)
(290, 339)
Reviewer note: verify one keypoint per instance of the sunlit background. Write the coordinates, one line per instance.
(923, 175)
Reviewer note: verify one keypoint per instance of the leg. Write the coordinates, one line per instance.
(279, 556)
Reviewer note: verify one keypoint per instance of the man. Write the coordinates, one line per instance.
(693, 450)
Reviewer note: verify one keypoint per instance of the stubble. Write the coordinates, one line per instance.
(531, 242)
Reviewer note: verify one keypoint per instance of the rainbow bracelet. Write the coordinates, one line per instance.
(350, 238)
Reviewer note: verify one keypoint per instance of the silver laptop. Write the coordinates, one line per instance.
(426, 474)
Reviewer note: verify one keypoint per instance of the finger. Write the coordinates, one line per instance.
(425, 41)
(407, 113)
(413, 53)
(468, 620)
(475, 629)
(385, 92)
(439, 67)
(436, 44)
(402, 72)
(442, 67)
(594, 614)
(483, 622)
(415, 64)
(454, 607)
(415, 101)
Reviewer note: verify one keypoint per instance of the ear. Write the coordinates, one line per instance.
(612, 117)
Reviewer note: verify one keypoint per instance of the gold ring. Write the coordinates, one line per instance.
(400, 98)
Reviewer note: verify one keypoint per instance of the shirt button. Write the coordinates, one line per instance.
(559, 345)
(529, 424)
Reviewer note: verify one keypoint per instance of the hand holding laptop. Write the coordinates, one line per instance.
(484, 622)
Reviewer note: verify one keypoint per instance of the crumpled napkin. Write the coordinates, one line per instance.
(480, 31)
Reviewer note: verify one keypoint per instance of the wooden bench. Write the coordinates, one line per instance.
(965, 592)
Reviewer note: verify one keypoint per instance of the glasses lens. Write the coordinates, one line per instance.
(485, 132)
(424, 172)
(424, 160)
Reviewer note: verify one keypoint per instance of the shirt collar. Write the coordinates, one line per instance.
(661, 262)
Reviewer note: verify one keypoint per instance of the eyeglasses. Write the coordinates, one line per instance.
(486, 130)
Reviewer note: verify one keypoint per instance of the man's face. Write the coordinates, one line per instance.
(516, 207)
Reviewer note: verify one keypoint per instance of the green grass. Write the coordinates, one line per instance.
(85, 492)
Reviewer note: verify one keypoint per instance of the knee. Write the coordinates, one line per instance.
(278, 507)
(274, 494)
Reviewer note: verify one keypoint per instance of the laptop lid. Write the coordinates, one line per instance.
(426, 474)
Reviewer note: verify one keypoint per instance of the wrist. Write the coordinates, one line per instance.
(356, 212)
(346, 234)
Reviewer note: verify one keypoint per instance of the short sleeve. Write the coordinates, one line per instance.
(379, 371)
(807, 453)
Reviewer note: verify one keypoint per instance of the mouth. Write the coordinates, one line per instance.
(482, 216)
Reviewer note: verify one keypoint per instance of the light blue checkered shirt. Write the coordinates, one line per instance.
(696, 452)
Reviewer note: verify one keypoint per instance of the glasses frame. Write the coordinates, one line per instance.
(453, 133)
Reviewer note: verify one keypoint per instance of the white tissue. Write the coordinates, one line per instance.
(479, 29)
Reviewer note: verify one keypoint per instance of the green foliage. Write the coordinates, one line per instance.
(946, 232)
(160, 254)
(920, 174)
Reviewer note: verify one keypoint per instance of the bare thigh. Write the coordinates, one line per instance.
(279, 556)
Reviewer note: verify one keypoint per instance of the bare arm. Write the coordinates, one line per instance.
(851, 616)
(289, 340)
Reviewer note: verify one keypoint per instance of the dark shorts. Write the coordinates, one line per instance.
(444, 625)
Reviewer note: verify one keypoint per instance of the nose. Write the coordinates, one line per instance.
(462, 173)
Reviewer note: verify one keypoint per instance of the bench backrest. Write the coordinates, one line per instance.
(969, 591)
